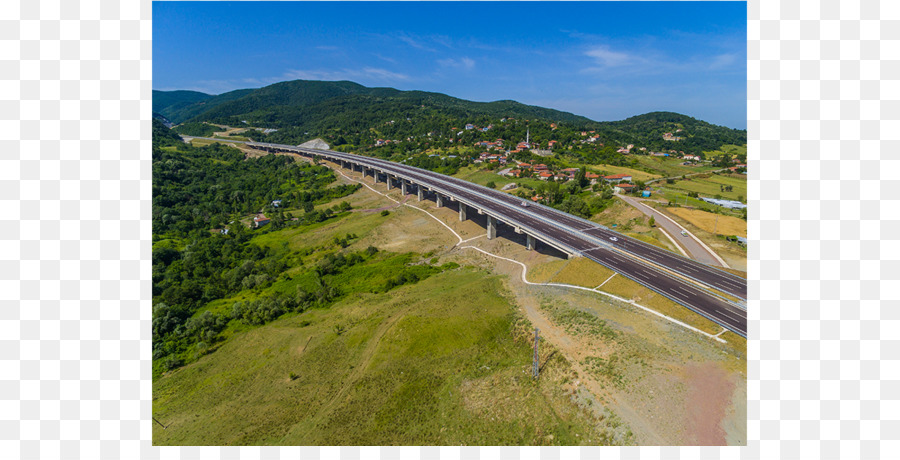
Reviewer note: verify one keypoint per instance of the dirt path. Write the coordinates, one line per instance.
(385, 208)
(709, 394)
(365, 359)
(576, 350)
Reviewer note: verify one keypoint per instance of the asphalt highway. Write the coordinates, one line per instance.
(710, 276)
(577, 235)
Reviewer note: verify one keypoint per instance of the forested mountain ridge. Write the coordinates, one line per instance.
(344, 112)
(179, 106)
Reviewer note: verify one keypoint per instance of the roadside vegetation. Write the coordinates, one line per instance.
(197, 129)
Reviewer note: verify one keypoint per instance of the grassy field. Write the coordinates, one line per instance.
(669, 167)
(726, 225)
(483, 176)
(424, 364)
(729, 149)
(581, 271)
(636, 174)
(231, 138)
(680, 198)
(711, 186)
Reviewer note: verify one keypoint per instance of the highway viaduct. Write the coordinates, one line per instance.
(712, 293)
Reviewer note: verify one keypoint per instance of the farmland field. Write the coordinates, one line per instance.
(670, 166)
(726, 225)
(711, 186)
(636, 174)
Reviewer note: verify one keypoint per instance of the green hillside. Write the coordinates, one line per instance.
(179, 106)
(348, 114)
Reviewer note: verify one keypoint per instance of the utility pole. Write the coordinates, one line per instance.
(536, 366)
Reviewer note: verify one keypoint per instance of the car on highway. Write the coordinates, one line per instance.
(524, 204)
(683, 233)
(612, 238)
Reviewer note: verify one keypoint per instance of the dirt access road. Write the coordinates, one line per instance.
(694, 249)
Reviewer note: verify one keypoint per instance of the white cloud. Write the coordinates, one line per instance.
(414, 42)
(722, 61)
(343, 74)
(609, 58)
(461, 63)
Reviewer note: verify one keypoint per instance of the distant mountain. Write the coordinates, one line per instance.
(179, 106)
(344, 112)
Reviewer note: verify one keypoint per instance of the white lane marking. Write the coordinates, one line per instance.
(728, 316)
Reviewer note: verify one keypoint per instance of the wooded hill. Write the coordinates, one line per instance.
(348, 113)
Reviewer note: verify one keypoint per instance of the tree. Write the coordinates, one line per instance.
(491, 184)
(652, 221)
(580, 177)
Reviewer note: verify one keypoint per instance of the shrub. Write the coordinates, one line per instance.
(384, 213)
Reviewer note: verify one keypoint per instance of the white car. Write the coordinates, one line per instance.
(683, 233)
(612, 238)
(524, 204)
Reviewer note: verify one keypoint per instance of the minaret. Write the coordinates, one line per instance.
(527, 136)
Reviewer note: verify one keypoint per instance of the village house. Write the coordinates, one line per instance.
(592, 177)
(544, 175)
(469, 126)
(617, 178)
(623, 188)
(260, 220)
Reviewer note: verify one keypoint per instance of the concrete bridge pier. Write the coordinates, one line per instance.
(420, 192)
(462, 212)
(491, 228)
(390, 182)
(440, 200)
(375, 175)
(403, 187)
(529, 242)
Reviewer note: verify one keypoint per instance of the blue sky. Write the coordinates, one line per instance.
(603, 60)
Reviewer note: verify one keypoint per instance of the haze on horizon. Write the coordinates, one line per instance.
(603, 60)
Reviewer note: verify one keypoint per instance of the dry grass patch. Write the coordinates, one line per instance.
(727, 225)
(582, 271)
(624, 216)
